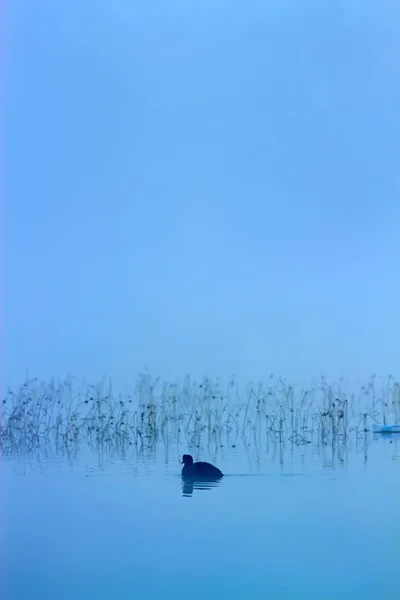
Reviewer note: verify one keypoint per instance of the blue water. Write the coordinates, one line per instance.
(302, 524)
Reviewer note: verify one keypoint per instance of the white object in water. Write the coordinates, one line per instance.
(386, 428)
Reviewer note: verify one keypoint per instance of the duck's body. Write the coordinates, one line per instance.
(199, 470)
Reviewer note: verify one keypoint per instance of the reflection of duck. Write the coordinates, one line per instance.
(199, 471)
(189, 485)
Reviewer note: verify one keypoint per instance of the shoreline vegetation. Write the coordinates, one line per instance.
(67, 414)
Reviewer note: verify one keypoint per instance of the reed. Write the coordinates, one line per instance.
(270, 413)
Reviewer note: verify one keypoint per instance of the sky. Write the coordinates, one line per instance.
(201, 187)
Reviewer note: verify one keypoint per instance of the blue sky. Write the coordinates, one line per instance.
(209, 188)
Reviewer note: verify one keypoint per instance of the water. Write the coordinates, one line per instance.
(300, 524)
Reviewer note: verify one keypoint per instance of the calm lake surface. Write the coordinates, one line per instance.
(301, 523)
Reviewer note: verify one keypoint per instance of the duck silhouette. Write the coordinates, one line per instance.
(199, 471)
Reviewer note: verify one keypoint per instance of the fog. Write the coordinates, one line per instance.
(204, 188)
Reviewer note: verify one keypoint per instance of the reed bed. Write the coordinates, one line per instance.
(68, 414)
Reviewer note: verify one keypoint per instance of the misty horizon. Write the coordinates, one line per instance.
(199, 190)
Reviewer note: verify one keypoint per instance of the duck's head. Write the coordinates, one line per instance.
(187, 459)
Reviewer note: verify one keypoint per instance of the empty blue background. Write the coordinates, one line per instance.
(208, 187)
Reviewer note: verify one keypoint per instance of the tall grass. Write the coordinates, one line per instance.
(68, 414)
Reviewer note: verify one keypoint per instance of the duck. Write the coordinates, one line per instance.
(199, 470)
